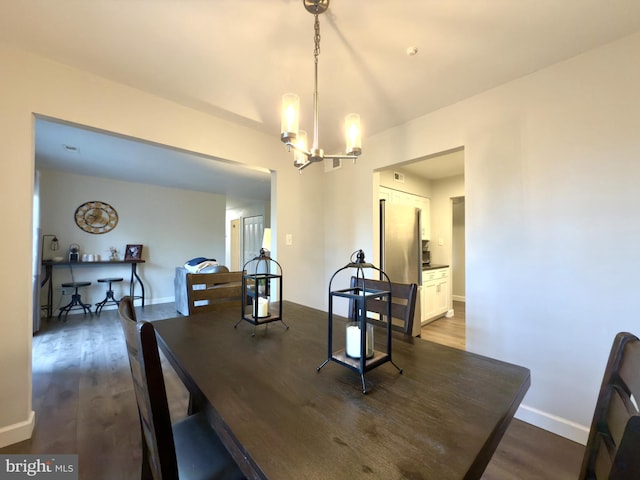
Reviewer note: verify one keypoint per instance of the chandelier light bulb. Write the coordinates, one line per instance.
(354, 135)
(290, 116)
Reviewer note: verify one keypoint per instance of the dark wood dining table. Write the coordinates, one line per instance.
(281, 419)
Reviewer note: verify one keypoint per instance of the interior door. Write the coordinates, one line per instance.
(234, 256)
(252, 231)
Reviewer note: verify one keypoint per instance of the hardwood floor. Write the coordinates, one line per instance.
(448, 331)
(83, 394)
(84, 403)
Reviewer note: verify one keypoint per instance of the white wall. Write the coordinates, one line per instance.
(173, 225)
(551, 186)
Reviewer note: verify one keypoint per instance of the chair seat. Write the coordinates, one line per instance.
(110, 298)
(110, 279)
(76, 284)
(200, 454)
(76, 301)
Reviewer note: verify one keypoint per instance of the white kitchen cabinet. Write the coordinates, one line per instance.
(436, 294)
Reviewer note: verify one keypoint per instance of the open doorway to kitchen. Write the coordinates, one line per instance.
(440, 179)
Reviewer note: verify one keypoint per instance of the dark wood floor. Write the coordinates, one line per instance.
(84, 403)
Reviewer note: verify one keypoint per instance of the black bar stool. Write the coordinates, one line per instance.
(109, 297)
(76, 301)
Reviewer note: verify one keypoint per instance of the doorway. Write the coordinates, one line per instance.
(79, 162)
(234, 250)
(440, 178)
(252, 232)
(458, 249)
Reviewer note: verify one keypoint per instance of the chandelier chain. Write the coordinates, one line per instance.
(316, 38)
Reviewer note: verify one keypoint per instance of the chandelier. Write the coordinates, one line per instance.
(297, 139)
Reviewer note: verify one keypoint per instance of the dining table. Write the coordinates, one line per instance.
(440, 418)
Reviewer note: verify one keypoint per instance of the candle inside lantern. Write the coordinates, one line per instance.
(263, 307)
(353, 341)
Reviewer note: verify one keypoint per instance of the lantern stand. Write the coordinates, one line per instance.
(258, 307)
(368, 358)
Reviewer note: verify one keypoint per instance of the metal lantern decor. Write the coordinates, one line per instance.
(360, 352)
(262, 291)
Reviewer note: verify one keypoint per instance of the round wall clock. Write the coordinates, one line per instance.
(96, 217)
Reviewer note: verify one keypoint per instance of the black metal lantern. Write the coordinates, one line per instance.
(261, 291)
(360, 353)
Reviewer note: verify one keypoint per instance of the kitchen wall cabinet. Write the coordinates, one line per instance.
(404, 198)
(436, 294)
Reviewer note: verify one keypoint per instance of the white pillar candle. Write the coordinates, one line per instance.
(353, 341)
(263, 307)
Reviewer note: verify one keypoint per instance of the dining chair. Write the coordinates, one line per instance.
(403, 303)
(188, 449)
(126, 308)
(613, 448)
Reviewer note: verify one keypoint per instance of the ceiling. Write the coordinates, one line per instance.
(444, 165)
(235, 58)
(84, 151)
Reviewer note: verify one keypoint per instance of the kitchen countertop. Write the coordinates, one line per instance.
(433, 266)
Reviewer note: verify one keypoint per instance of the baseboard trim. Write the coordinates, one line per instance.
(558, 425)
(17, 432)
(155, 301)
(458, 298)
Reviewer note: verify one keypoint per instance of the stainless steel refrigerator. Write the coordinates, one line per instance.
(401, 247)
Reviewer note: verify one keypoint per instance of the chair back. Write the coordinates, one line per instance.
(159, 454)
(403, 303)
(208, 292)
(125, 307)
(613, 448)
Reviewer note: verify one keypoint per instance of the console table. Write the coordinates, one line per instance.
(48, 277)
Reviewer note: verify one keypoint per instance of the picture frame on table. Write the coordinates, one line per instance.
(133, 252)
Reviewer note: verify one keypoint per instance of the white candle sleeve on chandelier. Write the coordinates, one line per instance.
(290, 115)
(299, 157)
(354, 134)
